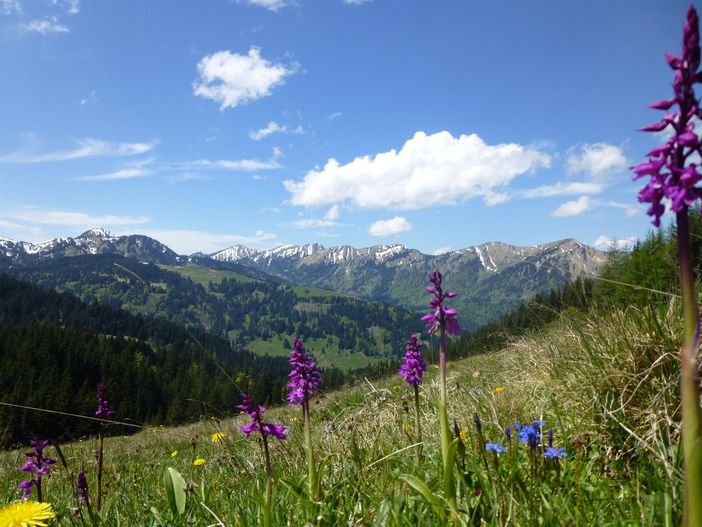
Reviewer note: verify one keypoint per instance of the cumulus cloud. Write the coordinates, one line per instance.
(605, 243)
(573, 208)
(49, 25)
(597, 160)
(86, 148)
(389, 227)
(231, 79)
(73, 219)
(428, 170)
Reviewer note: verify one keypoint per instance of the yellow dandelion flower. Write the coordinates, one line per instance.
(216, 437)
(499, 390)
(199, 462)
(464, 435)
(294, 419)
(25, 514)
(396, 387)
(174, 453)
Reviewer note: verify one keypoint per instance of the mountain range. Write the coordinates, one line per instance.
(492, 278)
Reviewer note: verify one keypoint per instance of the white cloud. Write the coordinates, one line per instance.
(563, 189)
(47, 26)
(333, 116)
(270, 128)
(9, 7)
(187, 176)
(184, 241)
(125, 173)
(277, 153)
(272, 5)
(605, 243)
(89, 99)
(16, 231)
(357, 2)
(239, 165)
(428, 170)
(72, 7)
(273, 128)
(389, 227)
(573, 208)
(441, 250)
(231, 79)
(86, 148)
(73, 219)
(333, 213)
(314, 223)
(597, 160)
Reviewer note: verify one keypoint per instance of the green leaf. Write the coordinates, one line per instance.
(421, 487)
(175, 491)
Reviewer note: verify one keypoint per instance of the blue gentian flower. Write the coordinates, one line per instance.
(496, 448)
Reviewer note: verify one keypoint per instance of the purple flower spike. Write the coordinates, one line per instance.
(257, 424)
(304, 377)
(82, 488)
(441, 317)
(103, 410)
(666, 166)
(413, 366)
(37, 465)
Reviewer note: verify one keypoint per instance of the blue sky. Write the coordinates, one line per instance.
(437, 124)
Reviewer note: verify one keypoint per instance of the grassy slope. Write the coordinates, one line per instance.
(332, 356)
(204, 275)
(588, 377)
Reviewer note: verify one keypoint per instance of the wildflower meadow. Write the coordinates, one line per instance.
(591, 418)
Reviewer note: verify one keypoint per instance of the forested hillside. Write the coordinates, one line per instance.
(55, 349)
(260, 315)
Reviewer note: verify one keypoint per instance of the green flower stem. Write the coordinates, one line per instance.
(101, 435)
(313, 476)
(689, 380)
(268, 497)
(417, 421)
(449, 483)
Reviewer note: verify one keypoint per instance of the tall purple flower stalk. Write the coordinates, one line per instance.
(103, 412)
(38, 466)
(304, 382)
(257, 424)
(412, 369)
(266, 429)
(413, 365)
(674, 175)
(445, 321)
